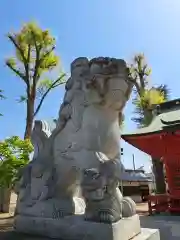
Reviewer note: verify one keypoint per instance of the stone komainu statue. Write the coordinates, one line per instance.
(76, 163)
(104, 201)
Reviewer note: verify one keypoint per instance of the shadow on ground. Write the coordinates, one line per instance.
(15, 236)
(9, 234)
(169, 226)
(7, 218)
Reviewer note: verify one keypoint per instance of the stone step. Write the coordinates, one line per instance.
(148, 234)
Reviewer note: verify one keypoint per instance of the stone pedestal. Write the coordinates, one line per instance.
(75, 228)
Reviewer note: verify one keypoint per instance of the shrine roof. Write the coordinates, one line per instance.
(158, 123)
(135, 177)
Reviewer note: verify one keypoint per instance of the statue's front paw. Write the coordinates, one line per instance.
(128, 207)
(107, 217)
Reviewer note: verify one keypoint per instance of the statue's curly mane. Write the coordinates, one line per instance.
(89, 77)
(101, 82)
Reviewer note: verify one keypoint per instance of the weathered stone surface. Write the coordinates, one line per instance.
(72, 183)
(86, 135)
(74, 227)
(104, 201)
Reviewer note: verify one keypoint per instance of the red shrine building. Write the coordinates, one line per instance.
(161, 140)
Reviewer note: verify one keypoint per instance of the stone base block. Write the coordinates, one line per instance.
(75, 228)
(148, 234)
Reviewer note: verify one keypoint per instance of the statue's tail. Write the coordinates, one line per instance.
(128, 207)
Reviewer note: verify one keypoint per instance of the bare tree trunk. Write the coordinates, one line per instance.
(5, 197)
(159, 176)
(29, 119)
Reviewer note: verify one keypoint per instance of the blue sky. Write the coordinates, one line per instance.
(116, 28)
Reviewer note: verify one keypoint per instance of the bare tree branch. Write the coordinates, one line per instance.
(46, 54)
(37, 62)
(134, 81)
(16, 71)
(17, 47)
(54, 84)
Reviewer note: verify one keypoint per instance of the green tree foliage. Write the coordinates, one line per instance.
(14, 155)
(144, 105)
(34, 57)
(145, 96)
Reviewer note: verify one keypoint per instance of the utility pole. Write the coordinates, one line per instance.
(134, 167)
(122, 153)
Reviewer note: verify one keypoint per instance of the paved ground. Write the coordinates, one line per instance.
(169, 225)
(12, 207)
(142, 209)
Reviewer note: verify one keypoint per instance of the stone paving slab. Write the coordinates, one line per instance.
(12, 207)
(169, 225)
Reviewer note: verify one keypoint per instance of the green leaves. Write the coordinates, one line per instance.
(48, 61)
(22, 99)
(149, 98)
(44, 87)
(145, 97)
(34, 57)
(11, 62)
(47, 83)
(34, 52)
(144, 105)
(14, 155)
(139, 71)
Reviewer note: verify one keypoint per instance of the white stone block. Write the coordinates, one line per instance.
(148, 234)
